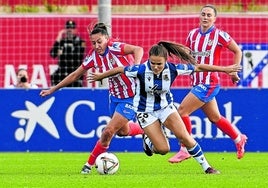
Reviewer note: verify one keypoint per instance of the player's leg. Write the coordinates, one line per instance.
(189, 104)
(102, 145)
(154, 137)
(134, 129)
(175, 124)
(125, 108)
(212, 112)
(121, 113)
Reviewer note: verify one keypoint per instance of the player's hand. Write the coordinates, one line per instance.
(235, 78)
(44, 93)
(93, 76)
(233, 69)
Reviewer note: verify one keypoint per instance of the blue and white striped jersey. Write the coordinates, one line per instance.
(153, 91)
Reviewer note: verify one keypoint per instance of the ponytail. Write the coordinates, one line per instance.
(98, 28)
(165, 48)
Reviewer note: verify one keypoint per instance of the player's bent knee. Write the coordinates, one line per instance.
(163, 151)
(107, 133)
(122, 133)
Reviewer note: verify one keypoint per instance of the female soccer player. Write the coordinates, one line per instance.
(105, 56)
(206, 43)
(153, 101)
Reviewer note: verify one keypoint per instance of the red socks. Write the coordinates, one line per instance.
(98, 149)
(223, 124)
(134, 129)
(226, 127)
(186, 120)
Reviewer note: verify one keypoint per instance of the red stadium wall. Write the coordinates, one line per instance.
(26, 40)
(168, 3)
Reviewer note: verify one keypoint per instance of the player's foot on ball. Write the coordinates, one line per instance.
(240, 146)
(211, 170)
(179, 157)
(86, 170)
(146, 147)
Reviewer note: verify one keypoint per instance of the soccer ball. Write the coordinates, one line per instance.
(107, 163)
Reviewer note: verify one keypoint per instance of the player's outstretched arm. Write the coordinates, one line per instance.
(46, 92)
(99, 76)
(65, 82)
(214, 68)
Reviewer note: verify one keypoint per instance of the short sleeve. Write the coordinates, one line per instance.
(185, 69)
(131, 71)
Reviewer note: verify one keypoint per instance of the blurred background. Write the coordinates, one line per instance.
(29, 28)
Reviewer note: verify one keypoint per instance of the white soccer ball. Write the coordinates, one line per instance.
(107, 163)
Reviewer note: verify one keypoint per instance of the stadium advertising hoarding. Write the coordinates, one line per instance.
(72, 120)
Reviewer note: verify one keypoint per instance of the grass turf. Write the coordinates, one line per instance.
(136, 170)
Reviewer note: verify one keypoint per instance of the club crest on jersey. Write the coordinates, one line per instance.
(112, 61)
(210, 42)
(166, 78)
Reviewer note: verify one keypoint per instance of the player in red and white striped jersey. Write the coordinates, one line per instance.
(106, 55)
(206, 43)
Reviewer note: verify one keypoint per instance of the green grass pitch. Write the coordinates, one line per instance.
(136, 170)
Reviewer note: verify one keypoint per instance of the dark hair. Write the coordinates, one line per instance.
(98, 28)
(70, 24)
(165, 49)
(158, 50)
(210, 6)
(21, 69)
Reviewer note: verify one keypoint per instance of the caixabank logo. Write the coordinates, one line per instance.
(34, 116)
(59, 120)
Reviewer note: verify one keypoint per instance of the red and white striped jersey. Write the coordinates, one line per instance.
(120, 86)
(206, 48)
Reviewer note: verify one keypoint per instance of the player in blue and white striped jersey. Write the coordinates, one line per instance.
(153, 101)
(153, 90)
